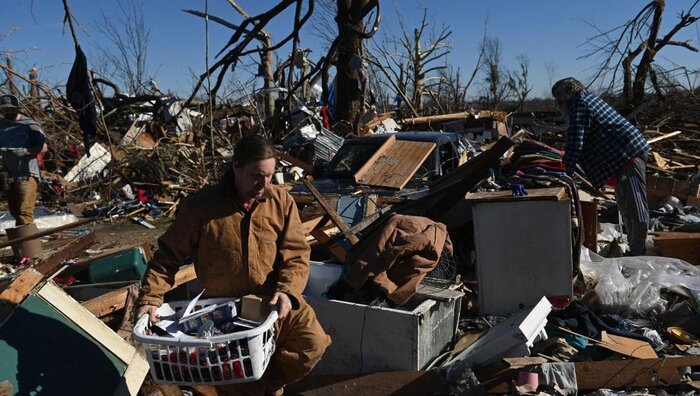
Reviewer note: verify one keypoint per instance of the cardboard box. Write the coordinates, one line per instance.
(255, 308)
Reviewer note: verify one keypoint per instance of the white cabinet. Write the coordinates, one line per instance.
(523, 248)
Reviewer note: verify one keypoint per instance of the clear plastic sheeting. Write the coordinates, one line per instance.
(632, 285)
(43, 217)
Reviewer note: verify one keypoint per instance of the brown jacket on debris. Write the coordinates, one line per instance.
(238, 252)
(398, 255)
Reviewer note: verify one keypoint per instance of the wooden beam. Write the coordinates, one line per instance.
(308, 169)
(108, 302)
(48, 232)
(435, 118)
(335, 218)
(70, 308)
(18, 290)
(70, 250)
(611, 374)
(389, 383)
(662, 137)
(323, 238)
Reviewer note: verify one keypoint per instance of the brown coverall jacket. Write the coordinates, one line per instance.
(398, 256)
(238, 252)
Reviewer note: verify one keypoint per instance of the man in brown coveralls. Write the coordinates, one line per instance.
(245, 236)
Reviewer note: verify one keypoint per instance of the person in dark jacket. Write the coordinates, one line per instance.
(610, 150)
(21, 141)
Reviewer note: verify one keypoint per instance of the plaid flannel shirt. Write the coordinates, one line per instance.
(599, 139)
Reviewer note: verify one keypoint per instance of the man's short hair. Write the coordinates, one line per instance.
(9, 102)
(569, 85)
(252, 148)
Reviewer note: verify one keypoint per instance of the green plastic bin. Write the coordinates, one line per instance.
(126, 265)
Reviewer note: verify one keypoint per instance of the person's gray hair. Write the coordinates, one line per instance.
(569, 85)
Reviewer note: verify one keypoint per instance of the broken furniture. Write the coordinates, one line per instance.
(511, 338)
(376, 338)
(523, 248)
(51, 344)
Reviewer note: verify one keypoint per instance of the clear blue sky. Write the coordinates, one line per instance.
(548, 31)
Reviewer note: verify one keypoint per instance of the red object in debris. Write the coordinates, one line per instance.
(40, 160)
(324, 115)
(559, 302)
(141, 194)
(73, 152)
(65, 280)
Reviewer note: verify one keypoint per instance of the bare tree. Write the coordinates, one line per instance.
(518, 82)
(348, 53)
(619, 49)
(265, 69)
(416, 61)
(125, 51)
(496, 81)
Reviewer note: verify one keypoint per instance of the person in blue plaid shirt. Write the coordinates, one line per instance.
(610, 150)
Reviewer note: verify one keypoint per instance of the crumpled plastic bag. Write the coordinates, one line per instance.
(43, 217)
(632, 285)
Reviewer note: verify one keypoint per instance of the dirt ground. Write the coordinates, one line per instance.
(124, 232)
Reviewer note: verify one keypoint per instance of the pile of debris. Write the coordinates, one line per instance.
(494, 286)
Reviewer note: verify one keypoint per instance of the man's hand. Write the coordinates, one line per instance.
(150, 310)
(282, 302)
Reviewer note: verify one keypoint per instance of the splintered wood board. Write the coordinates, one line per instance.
(393, 165)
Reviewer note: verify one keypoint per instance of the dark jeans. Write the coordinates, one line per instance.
(631, 196)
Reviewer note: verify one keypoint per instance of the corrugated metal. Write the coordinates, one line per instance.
(326, 145)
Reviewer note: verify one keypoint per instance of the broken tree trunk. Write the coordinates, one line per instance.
(348, 84)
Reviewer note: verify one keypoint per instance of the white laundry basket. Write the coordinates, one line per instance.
(219, 360)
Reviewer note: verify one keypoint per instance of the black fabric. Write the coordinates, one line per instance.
(80, 96)
(577, 317)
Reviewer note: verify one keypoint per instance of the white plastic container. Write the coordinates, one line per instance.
(231, 358)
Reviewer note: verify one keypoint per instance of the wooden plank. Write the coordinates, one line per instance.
(391, 383)
(71, 309)
(48, 232)
(308, 169)
(18, 290)
(392, 166)
(612, 374)
(335, 218)
(589, 213)
(323, 238)
(436, 118)
(108, 302)
(681, 245)
(662, 187)
(309, 225)
(634, 372)
(661, 162)
(662, 137)
(132, 379)
(537, 194)
(68, 251)
(380, 151)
